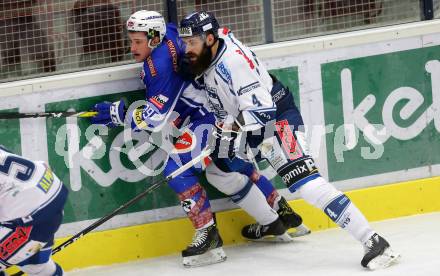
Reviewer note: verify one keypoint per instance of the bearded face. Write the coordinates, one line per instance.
(198, 54)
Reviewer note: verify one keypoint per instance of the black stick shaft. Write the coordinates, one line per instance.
(54, 114)
(104, 219)
(150, 189)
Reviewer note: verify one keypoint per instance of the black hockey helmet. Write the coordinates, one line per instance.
(197, 23)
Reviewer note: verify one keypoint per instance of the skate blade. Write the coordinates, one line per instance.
(388, 258)
(213, 256)
(299, 231)
(272, 238)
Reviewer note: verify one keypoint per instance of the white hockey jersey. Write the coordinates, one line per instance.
(237, 82)
(25, 186)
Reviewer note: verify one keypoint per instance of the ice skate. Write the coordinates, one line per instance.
(273, 232)
(205, 248)
(291, 220)
(378, 253)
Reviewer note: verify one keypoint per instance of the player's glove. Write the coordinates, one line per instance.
(109, 114)
(223, 143)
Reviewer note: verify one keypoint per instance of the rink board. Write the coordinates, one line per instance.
(169, 237)
(348, 87)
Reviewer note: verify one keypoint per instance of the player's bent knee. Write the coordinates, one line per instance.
(242, 193)
(228, 183)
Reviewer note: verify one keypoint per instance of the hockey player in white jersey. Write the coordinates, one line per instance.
(250, 103)
(32, 199)
(159, 47)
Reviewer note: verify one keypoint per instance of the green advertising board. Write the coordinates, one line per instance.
(99, 179)
(398, 92)
(392, 100)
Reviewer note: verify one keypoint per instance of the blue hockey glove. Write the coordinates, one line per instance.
(109, 114)
(223, 145)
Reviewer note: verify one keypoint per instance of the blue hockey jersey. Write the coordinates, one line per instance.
(166, 90)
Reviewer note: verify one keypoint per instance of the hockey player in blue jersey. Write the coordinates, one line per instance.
(32, 199)
(158, 46)
(250, 103)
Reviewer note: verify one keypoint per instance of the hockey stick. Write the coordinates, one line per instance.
(150, 189)
(51, 114)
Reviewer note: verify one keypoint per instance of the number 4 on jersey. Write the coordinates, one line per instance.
(255, 101)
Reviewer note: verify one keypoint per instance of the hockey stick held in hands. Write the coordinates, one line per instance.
(50, 114)
(149, 190)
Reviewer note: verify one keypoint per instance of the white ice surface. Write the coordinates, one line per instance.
(326, 253)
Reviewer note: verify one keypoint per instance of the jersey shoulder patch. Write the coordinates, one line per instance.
(159, 100)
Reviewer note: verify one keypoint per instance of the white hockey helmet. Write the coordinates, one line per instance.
(150, 22)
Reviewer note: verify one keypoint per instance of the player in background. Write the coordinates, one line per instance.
(32, 199)
(250, 103)
(158, 46)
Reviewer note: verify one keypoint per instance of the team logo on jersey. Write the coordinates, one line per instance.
(159, 100)
(142, 74)
(185, 143)
(223, 72)
(150, 63)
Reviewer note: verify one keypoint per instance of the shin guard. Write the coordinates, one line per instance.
(195, 203)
